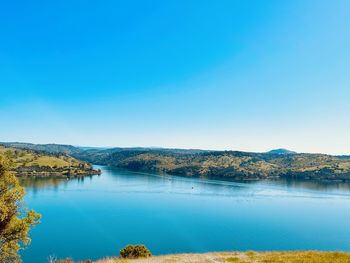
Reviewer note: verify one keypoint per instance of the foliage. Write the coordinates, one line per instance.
(25, 162)
(225, 164)
(48, 148)
(211, 164)
(14, 222)
(135, 251)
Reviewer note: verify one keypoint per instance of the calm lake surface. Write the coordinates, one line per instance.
(96, 216)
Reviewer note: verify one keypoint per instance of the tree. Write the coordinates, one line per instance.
(15, 222)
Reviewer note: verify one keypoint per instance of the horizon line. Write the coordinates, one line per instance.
(171, 148)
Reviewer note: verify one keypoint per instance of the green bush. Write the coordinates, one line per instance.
(135, 251)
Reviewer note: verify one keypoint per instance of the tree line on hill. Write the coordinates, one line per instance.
(235, 165)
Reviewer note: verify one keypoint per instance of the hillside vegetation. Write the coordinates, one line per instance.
(210, 164)
(26, 162)
(225, 164)
(48, 148)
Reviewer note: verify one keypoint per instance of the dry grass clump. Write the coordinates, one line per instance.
(300, 257)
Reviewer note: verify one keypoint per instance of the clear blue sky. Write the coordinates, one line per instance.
(243, 75)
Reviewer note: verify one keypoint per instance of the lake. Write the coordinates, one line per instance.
(94, 217)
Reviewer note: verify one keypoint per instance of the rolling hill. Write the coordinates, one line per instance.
(27, 162)
(235, 165)
(226, 164)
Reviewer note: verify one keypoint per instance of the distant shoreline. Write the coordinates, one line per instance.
(235, 165)
(56, 174)
(227, 179)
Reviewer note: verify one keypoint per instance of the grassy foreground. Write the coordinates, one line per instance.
(246, 257)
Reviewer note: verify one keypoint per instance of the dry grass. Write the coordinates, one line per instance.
(244, 257)
(28, 158)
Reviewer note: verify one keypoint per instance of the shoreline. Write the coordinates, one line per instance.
(239, 257)
(56, 174)
(230, 179)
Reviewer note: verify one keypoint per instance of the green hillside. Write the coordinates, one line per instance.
(49, 148)
(26, 162)
(226, 164)
(201, 163)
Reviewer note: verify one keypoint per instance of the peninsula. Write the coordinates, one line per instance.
(34, 163)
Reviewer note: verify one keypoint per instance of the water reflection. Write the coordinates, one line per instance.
(323, 186)
(34, 184)
(225, 183)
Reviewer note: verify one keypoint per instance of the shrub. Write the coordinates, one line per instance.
(135, 251)
(67, 260)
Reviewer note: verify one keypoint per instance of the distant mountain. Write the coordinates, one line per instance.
(281, 151)
(49, 148)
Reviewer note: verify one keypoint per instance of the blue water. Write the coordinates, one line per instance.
(96, 216)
